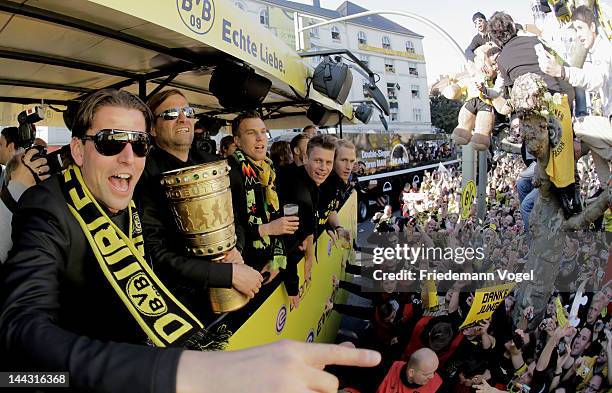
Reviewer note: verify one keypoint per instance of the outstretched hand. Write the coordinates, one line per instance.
(298, 368)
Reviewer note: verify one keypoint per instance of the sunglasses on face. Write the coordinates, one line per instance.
(112, 142)
(173, 113)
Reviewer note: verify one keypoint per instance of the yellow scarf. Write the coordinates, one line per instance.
(267, 177)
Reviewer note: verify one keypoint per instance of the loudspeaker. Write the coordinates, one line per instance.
(363, 113)
(378, 97)
(69, 113)
(333, 79)
(238, 87)
(318, 114)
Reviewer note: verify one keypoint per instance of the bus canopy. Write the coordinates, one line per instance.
(58, 51)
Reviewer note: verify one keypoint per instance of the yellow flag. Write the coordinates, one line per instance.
(561, 318)
(486, 301)
(560, 166)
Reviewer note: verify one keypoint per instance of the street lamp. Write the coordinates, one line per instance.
(467, 159)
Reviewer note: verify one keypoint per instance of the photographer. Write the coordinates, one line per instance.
(8, 147)
(202, 146)
(227, 146)
(17, 178)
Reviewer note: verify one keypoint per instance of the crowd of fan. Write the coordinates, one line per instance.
(404, 316)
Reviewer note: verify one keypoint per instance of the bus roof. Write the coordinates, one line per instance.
(58, 51)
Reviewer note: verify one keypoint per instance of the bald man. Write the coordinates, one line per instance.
(418, 374)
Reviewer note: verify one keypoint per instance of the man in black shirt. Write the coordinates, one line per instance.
(518, 55)
(481, 38)
(63, 310)
(336, 189)
(173, 133)
(255, 201)
(303, 190)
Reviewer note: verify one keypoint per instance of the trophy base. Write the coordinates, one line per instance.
(224, 300)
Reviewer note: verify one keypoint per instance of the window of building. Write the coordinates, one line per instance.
(366, 92)
(416, 113)
(264, 17)
(391, 91)
(335, 33)
(365, 59)
(412, 69)
(393, 111)
(386, 42)
(389, 66)
(409, 47)
(415, 91)
(240, 5)
(362, 38)
(314, 32)
(314, 59)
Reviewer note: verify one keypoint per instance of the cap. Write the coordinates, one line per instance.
(478, 15)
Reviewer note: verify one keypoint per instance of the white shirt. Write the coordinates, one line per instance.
(595, 76)
(16, 189)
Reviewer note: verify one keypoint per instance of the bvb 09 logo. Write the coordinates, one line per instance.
(197, 15)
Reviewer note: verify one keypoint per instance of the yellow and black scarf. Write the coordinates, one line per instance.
(255, 175)
(161, 316)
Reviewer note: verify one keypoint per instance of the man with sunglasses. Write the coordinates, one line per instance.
(173, 133)
(79, 296)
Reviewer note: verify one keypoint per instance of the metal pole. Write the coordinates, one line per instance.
(420, 18)
(467, 164)
(142, 89)
(482, 185)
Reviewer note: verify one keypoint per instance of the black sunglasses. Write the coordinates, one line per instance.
(173, 113)
(112, 142)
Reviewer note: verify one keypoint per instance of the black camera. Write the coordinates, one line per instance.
(27, 129)
(518, 341)
(56, 161)
(204, 143)
(210, 126)
(562, 348)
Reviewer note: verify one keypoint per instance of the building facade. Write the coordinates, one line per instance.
(390, 50)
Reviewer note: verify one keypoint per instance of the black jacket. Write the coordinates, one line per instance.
(164, 243)
(59, 313)
(518, 57)
(477, 41)
(300, 189)
(255, 258)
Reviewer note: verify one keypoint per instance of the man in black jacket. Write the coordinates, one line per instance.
(255, 201)
(303, 189)
(481, 37)
(70, 302)
(173, 133)
(336, 189)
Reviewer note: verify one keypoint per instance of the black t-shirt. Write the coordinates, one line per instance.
(329, 198)
(518, 57)
(303, 191)
(477, 41)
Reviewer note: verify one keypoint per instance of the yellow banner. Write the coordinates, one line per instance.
(274, 320)
(391, 52)
(561, 318)
(560, 166)
(222, 25)
(467, 199)
(486, 301)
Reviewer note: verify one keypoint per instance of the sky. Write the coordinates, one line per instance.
(454, 16)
